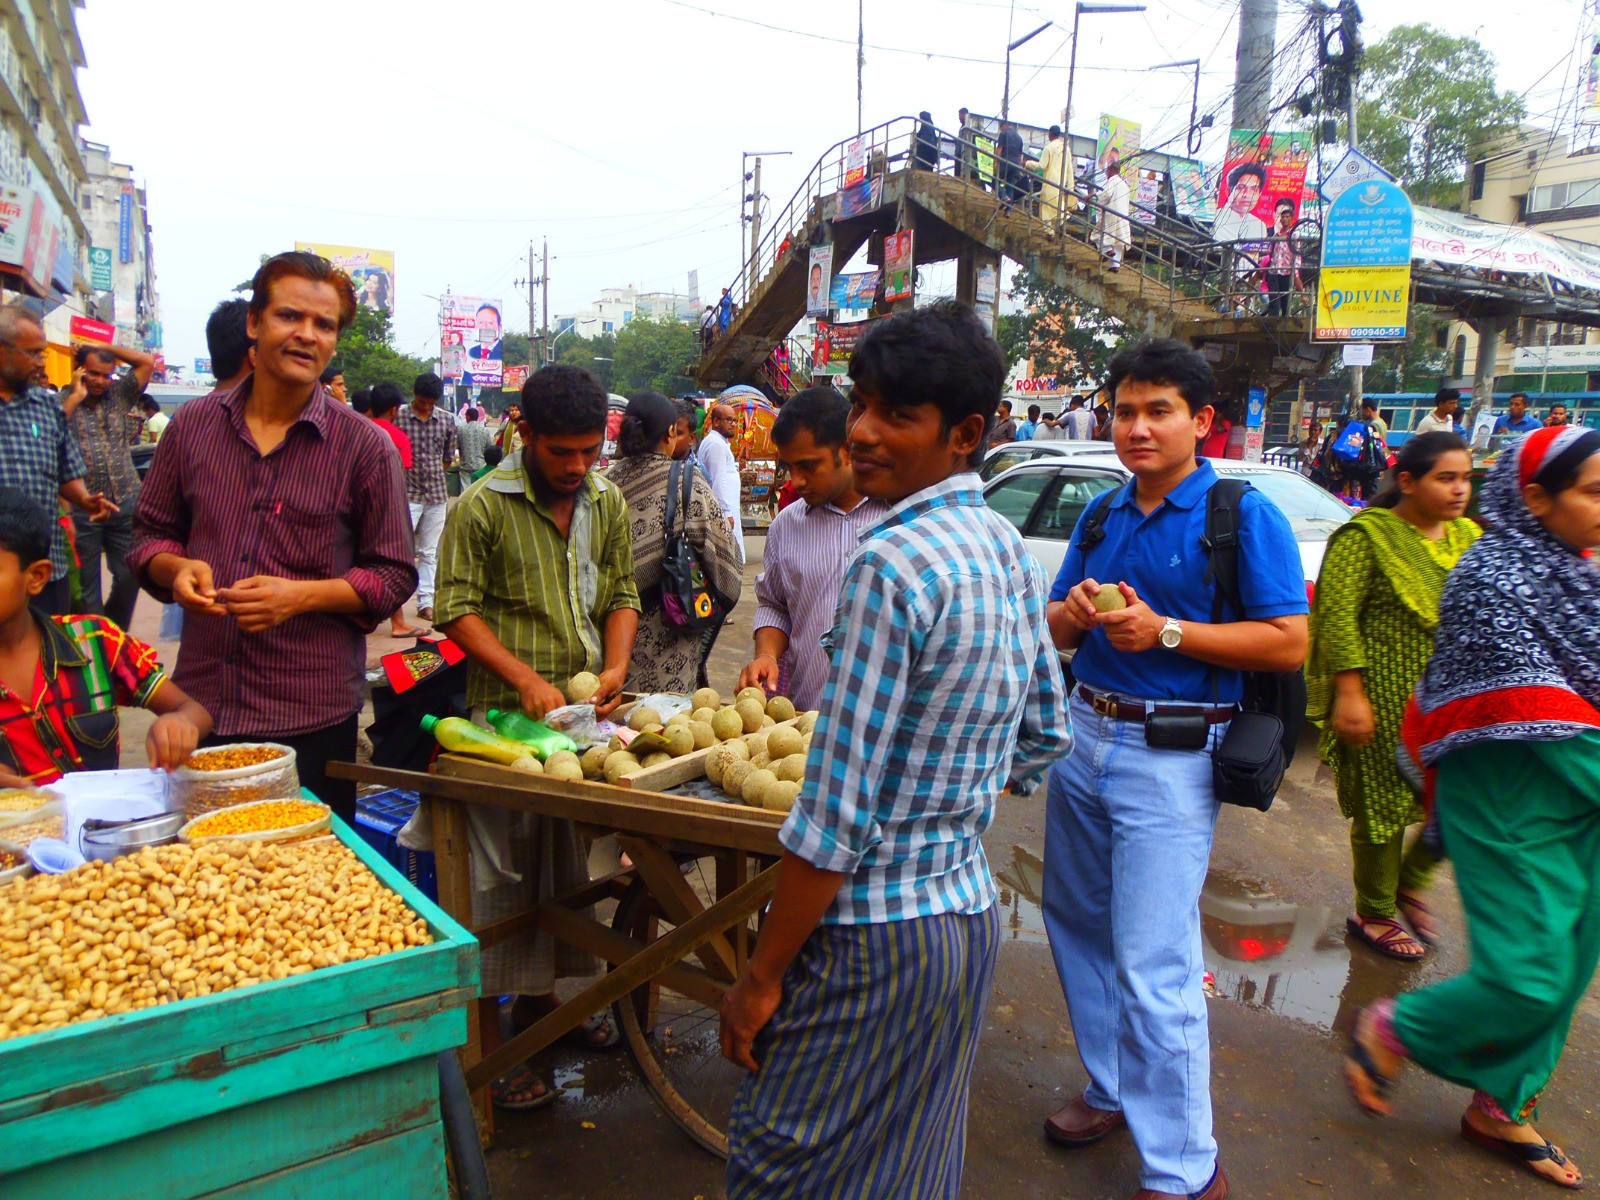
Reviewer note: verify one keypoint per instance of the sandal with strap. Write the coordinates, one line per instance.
(1369, 1087)
(1388, 940)
(1528, 1154)
(1420, 917)
(521, 1081)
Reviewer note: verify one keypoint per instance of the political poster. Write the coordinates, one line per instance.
(514, 378)
(835, 343)
(1118, 143)
(853, 291)
(372, 271)
(1149, 193)
(1364, 286)
(898, 249)
(1261, 172)
(861, 197)
(1589, 72)
(819, 281)
(470, 347)
(855, 162)
(1193, 195)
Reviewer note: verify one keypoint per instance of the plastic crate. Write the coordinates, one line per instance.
(379, 818)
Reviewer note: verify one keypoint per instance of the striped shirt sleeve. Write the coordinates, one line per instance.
(772, 609)
(1045, 733)
(463, 564)
(835, 822)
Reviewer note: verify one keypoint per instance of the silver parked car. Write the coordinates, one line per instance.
(1045, 497)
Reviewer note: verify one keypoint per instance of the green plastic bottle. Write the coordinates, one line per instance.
(460, 736)
(520, 727)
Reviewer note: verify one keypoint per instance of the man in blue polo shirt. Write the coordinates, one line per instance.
(1129, 823)
(1518, 420)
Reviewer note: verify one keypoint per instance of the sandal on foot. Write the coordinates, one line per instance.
(1420, 917)
(597, 1033)
(1389, 938)
(1369, 1087)
(1528, 1154)
(521, 1081)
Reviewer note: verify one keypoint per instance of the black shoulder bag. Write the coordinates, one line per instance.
(1248, 766)
(688, 601)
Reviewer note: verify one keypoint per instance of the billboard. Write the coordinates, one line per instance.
(125, 224)
(1118, 142)
(1364, 287)
(853, 291)
(469, 341)
(372, 271)
(1260, 171)
(100, 278)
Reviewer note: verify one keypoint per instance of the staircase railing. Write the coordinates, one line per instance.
(1172, 259)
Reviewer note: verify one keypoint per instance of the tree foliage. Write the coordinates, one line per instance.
(1444, 83)
(1062, 335)
(366, 354)
(1414, 365)
(652, 355)
(596, 355)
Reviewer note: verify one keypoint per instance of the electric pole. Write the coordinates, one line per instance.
(533, 347)
(755, 217)
(544, 280)
(861, 57)
(1252, 78)
(1349, 18)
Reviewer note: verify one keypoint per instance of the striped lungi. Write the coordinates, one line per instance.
(862, 1090)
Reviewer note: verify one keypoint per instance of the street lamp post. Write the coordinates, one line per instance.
(1005, 100)
(1086, 6)
(1194, 104)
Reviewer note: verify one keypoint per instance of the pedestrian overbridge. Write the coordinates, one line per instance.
(1175, 280)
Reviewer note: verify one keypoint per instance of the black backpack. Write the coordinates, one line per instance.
(1280, 695)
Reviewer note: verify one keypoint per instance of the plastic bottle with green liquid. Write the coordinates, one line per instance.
(520, 727)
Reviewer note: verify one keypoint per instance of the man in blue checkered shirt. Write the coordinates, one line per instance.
(860, 1011)
(38, 453)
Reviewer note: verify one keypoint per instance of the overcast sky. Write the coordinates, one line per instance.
(455, 134)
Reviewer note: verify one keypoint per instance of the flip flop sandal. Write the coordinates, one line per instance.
(1369, 1087)
(583, 1035)
(1384, 942)
(1426, 930)
(1528, 1154)
(521, 1078)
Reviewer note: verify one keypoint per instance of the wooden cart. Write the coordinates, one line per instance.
(680, 934)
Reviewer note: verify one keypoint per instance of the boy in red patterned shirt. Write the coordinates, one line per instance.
(62, 678)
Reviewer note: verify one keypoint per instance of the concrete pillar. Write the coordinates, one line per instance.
(970, 263)
(1252, 85)
(1488, 331)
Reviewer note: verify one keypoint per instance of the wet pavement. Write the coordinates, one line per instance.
(1285, 983)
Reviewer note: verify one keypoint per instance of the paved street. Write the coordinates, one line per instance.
(1287, 984)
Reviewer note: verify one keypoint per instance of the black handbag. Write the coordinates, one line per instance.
(688, 600)
(1248, 765)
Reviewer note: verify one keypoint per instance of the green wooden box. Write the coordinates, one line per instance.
(321, 1085)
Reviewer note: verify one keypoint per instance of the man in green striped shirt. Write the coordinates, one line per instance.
(536, 585)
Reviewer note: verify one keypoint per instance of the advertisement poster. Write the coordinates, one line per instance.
(834, 346)
(372, 271)
(898, 266)
(125, 225)
(855, 162)
(470, 341)
(1149, 192)
(861, 197)
(1364, 288)
(819, 281)
(1261, 172)
(100, 268)
(16, 209)
(1589, 75)
(853, 291)
(1192, 194)
(988, 284)
(86, 329)
(1118, 141)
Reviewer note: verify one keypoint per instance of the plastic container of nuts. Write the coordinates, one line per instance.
(48, 820)
(13, 862)
(224, 776)
(260, 821)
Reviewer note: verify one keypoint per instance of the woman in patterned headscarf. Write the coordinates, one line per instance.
(1372, 626)
(1506, 725)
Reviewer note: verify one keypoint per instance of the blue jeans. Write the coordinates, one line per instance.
(113, 538)
(1127, 840)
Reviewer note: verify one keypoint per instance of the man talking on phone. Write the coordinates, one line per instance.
(1131, 810)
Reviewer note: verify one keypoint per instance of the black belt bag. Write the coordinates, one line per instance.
(1247, 766)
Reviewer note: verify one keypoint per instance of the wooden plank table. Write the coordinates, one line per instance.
(653, 828)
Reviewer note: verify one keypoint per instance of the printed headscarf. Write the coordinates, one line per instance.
(1517, 653)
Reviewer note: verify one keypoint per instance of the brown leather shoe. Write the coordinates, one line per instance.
(1217, 1189)
(1079, 1124)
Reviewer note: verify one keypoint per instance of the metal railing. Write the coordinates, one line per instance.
(1170, 259)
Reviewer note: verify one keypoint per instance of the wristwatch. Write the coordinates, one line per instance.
(1171, 635)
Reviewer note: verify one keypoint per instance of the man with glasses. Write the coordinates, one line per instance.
(721, 467)
(38, 453)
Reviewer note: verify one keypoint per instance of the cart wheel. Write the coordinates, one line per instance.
(674, 1039)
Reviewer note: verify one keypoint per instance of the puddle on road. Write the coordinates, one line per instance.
(1259, 951)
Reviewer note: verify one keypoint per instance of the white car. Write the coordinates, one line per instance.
(1044, 499)
(1010, 454)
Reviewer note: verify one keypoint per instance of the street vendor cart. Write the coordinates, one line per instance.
(685, 919)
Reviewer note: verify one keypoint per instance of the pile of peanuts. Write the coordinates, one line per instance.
(257, 818)
(20, 800)
(231, 758)
(25, 832)
(177, 922)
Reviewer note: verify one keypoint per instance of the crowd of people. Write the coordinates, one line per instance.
(288, 523)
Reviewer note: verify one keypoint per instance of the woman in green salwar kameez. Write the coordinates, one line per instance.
(1505, 726)
(1372, 623)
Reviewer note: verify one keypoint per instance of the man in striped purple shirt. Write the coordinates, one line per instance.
(277, 518)
(808, 545)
